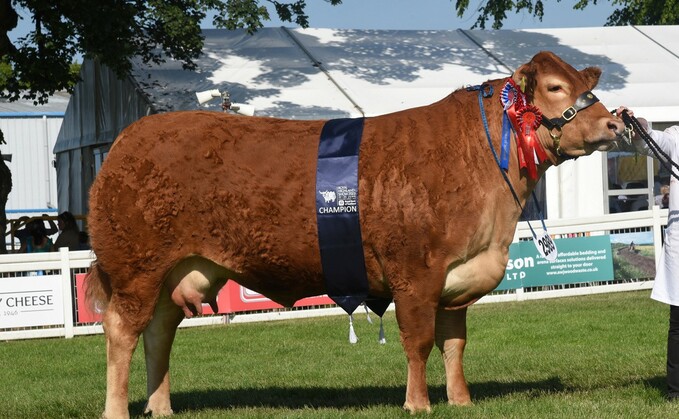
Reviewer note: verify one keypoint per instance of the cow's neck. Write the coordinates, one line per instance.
(547, 144)
(519, 179)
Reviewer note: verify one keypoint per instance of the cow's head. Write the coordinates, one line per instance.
(554, 87)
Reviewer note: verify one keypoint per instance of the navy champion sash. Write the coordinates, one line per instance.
(339, 230)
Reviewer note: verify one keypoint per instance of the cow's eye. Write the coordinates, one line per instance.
(554, 88)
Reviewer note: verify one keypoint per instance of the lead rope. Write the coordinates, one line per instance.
(665, 161)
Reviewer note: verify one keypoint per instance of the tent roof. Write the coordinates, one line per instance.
(56, 106)
(326, 73)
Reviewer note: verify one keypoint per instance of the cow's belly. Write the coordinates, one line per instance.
(468, 281)
(196, 280)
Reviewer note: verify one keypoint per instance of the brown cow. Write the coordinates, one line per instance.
(188, 200)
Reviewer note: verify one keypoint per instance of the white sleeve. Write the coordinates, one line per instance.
(667, 141)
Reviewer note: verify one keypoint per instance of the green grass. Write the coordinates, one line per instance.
(598, 356)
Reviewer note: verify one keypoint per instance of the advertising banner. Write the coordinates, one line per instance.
(239, 298)
(83, 314)
(29, 301)
(579, 259)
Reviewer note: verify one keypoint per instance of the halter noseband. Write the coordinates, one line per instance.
(555, 125)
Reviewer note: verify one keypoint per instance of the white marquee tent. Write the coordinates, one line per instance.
(326, 73)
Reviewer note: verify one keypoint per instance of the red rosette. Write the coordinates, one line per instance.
(529, 118)
(529, 115)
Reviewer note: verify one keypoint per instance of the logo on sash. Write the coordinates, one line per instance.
(342, 200)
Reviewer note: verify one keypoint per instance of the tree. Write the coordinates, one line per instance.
(113, 31)
(627, 12)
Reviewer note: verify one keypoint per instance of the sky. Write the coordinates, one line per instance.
(441, 14)
(421, 15)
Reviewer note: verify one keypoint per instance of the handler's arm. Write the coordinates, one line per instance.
(667, 140)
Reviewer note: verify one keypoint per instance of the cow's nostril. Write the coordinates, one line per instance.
(616, 126)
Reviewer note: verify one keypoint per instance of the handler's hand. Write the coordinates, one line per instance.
(618, 112)
(643, 122)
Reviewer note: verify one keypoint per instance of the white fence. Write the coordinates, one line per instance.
(60, 270)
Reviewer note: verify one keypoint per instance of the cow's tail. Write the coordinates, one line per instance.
(97, 288)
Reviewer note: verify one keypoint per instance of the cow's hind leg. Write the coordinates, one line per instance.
(124, 320)
(192, 282)
(451, 338)
(158, 338)
(416, 319)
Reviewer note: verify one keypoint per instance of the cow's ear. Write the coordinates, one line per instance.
(591, 76)
(524, 76)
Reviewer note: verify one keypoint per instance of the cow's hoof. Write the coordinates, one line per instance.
(412, 409)
(466, 402)
(158, 412)
(121, 415)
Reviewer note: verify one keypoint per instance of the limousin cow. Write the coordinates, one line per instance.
(186, 201)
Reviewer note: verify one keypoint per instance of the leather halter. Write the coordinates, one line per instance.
(555, 125)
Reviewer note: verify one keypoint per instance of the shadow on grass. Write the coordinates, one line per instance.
(338, 398)
(658, 382)
(494, 389)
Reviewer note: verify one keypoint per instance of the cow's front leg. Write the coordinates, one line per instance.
(416, 319)
(158, 338)
(451, 338)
